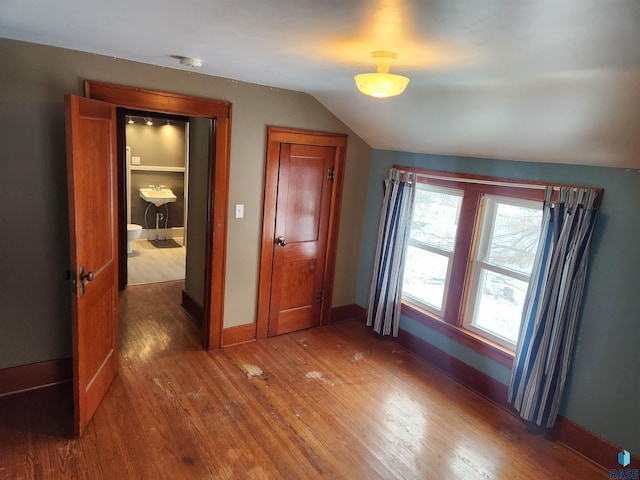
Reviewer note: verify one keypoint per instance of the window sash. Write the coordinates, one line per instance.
(488, 211)
(449, 254)
(480, 263)
(439, 312)
(473, 303)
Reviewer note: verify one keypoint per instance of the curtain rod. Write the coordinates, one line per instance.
(485, 181)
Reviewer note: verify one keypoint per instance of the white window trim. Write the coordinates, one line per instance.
(437, 312)
(479, 250)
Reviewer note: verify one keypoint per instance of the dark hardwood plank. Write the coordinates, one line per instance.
(331, 402)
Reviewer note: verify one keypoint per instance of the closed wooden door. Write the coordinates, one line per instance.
(305, 182)
(92, 192)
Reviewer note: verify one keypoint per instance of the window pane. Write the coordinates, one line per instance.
(424, 276)
(435, 218)
(514, 238)
(500, 303)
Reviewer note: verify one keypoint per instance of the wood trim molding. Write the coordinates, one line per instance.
(192, 307)
(307, 137)
(351, 311)
(239, 334)
(217, 221)
(340, 142)
(36, 375)
(570, 434)
(589, 445)
(218, 195)
(275, 137)
(151, 100)
(475, 342)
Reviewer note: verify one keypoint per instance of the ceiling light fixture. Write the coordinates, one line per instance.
(382, 84)
(148, 121)
(130, 120)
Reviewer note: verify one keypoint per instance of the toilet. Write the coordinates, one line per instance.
(133, 232)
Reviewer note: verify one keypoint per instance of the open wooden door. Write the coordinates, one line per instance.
(92, 189)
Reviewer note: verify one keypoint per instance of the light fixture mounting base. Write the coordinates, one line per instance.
(190, 62)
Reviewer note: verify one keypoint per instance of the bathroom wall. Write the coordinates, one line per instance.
(157, 145)
(35, 312)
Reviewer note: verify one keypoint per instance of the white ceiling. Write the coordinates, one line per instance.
(538, 80)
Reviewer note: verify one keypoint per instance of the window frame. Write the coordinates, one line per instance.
(432, 309)
(479, 262)
(474, 188)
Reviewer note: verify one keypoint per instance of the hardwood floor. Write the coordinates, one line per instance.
(334, 402)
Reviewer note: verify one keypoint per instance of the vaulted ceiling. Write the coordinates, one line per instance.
(535, 80)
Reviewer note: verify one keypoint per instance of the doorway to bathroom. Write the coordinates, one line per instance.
(211, 119)
(165, 174)
(95, 159)
(157, 193)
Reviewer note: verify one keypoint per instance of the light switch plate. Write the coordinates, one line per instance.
(239, 210)
(135, 160)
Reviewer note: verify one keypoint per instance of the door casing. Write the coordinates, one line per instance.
(218, 190)
(275, 137)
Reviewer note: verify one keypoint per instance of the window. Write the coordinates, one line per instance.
(430, 252)
(505, 250)
(469, 258)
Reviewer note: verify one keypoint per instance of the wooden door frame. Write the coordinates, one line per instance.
(276, 136)
(218, 189)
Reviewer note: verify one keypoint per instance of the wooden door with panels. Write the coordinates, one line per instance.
(93, 207)
(303, 189)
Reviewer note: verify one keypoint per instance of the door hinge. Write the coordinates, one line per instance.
(331, 174)
(320, 297)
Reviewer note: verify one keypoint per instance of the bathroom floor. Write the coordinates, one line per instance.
(153, 262)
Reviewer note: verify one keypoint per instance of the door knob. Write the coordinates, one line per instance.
(84, 276)
(281, 241)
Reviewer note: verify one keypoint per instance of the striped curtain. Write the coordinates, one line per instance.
(384, 296)
(552, 305)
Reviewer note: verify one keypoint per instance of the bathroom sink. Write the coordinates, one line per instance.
(157, 196)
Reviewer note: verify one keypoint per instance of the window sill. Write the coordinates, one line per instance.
(476, 342)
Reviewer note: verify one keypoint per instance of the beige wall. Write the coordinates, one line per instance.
(34, 299)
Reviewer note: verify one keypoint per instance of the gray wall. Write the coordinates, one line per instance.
(34, 298)
(603, 390)
(199, 133)
(157, 145)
